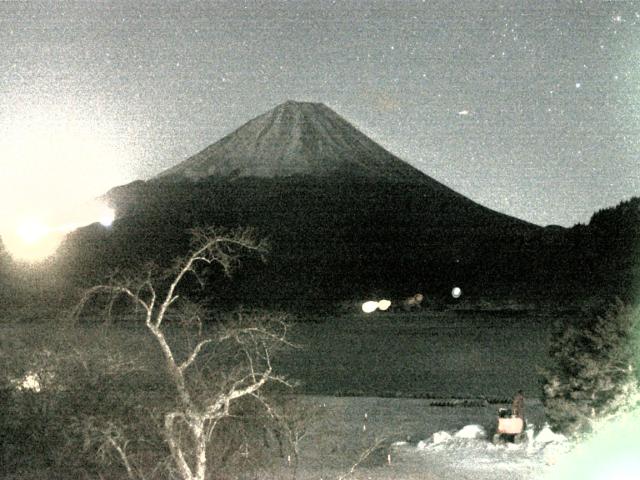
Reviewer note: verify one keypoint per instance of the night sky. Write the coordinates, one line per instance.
(529, 108)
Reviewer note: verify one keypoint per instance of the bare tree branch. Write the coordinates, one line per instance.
(191, 424)
(363, 456)
(184, 365)
(174, 446)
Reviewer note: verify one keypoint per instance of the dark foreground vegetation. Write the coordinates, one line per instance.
(76, 400)
(161, 410)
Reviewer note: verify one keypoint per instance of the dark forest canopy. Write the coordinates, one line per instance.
(335, 239)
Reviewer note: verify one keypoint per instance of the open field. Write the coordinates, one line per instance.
(341, 432)
(451, 354)
(425, 354)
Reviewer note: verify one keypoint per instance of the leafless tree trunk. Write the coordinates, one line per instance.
(198, 417)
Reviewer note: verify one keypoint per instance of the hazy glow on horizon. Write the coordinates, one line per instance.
(55, 162)
(33, 239)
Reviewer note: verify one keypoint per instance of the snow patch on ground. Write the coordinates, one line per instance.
(455, 442)
(546, 435)
(468, 450)
(471, 431)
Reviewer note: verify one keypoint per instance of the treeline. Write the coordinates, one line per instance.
(606, 258)
(331, 239)
(335, 239)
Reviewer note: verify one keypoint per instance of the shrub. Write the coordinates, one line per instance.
(595, 366)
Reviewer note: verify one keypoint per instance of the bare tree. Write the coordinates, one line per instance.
(377, 445)
(188, 424)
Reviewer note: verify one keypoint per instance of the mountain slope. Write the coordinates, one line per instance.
(310, 139)
(296, 138)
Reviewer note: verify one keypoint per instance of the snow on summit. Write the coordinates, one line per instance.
(296, 138)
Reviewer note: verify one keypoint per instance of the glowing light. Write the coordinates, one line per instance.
(107, 217)
(370, 306)
(32, 230)
(30, 239)
(34, 239)
(384, 305)
(54, 159)
(456, 292)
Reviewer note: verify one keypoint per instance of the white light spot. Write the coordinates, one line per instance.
(463, 112)
(31, 381)
(384, 305)
(578, 85)
(370, 306)
(107, 217)
(456, 292)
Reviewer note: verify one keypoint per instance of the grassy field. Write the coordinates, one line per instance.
(424, 354)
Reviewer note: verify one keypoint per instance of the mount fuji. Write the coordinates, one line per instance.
(345, 217)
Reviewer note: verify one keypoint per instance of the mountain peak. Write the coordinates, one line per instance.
(296, 138)
(298, 103)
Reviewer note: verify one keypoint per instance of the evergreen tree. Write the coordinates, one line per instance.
(594, 367)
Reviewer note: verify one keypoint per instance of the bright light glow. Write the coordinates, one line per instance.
(32, 231)
(54, 159)
(370, 306)
(384, 305)
(33, 239)
(107, 217)
(456, 292)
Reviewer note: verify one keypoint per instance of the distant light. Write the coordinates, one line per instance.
(463, 112)
(107, 217)
(456, 292)
(578, 85)
(370, 306)
(384, 305)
